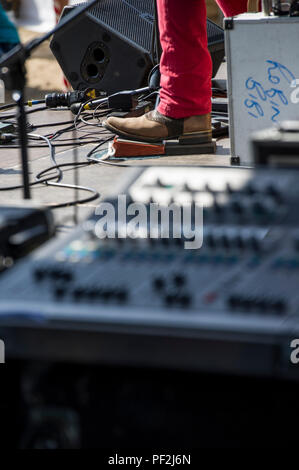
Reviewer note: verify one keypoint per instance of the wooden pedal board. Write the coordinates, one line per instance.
(123, 149)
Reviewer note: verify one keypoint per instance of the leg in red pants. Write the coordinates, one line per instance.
(186, 71)
(186, 66)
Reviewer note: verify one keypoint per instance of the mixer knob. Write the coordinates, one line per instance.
(121, 295)
(250, 190)
(59, 292)
(261, 304)
(229, 188)
(59, 274)
(247, 303)
(152, 241)
(255, 243)
(237, 242)
(187, 188)
(39, 274)
(259, 208)
(208, 188)
(170, 299)
(225, 241)
(217, 208)
(179, 280)
(158, 283)
(165, 241)
(78, 293)
(296, 243)
(272, 191)
(185, 300)
(240, 244)
(91, 293)
(107, 294)
(237, 207)
(233, 301)
(159, 183)
(279, 306)
(66, 276)
(210, 240)
(55, 273)
(179, 242)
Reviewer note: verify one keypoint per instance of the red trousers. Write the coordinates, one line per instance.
(186, 65)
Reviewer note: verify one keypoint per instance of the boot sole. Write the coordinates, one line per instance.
(193, 138)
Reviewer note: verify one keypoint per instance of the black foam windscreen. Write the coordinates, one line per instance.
(112, 48)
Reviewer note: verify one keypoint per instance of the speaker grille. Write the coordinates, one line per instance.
(134, 19)
(215, 33)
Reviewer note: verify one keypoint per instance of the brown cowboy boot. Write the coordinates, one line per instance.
(155, 127)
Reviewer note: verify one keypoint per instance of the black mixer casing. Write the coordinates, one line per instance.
(230, 306)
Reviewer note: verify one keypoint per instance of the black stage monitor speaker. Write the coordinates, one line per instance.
(111, 47)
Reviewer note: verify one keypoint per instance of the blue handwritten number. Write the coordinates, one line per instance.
(274, 96)
(273, 92)
(254, 104)
(254, 85)
(277, 112)
(279, 68)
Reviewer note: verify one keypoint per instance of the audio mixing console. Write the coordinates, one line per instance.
(230, 306)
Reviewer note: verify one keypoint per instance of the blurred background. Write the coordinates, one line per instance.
(34, 17)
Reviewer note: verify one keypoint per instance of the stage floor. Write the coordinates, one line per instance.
(100, 177)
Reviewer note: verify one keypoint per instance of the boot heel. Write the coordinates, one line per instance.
(203, 137)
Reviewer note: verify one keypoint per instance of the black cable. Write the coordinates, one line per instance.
(7, 106)
(66, 129)
(95, 193)
(51, 144)
(97, 147)
(143, 98)
(37, 126)
(30, 111)
(91, 124)
(47, 181)
(81, 139)
(28, 103)
(80, 111)
(49, 178)
(76, 187)
(104, 162)
(35, 183)
(52, 152)
(53, 141)
(95, 141)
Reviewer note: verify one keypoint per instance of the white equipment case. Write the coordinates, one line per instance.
(263, 76)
